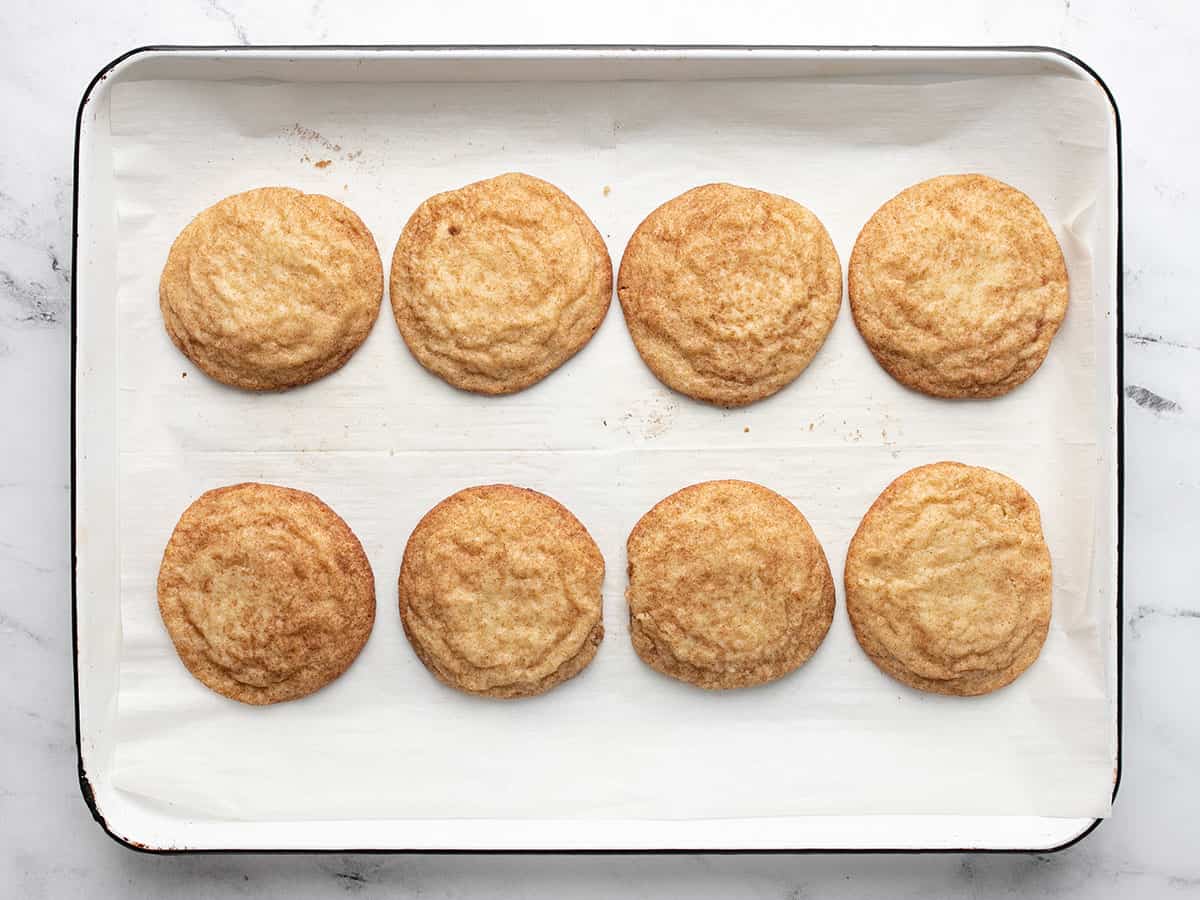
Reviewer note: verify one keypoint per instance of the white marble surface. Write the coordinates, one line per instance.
(49, 845)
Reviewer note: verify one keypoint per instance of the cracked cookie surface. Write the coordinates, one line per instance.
(497, 284)
(958, 286)
(265, 592)
(729, 292)
(271, 288)
(500, 592)
(728, 586)
(948, 580)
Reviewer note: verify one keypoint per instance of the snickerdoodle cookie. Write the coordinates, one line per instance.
(265, 592)
(271, 288)
(728, 586)
(497, 284)
(958, 285)
(729, 292)
(948, 581)
(500, 592)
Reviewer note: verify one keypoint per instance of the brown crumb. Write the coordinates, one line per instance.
(323, 163)
(607, 190)
(746, 430)
(183, 374)
(311, 134)
(810, 426)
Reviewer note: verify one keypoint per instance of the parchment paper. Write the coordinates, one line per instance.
(382, 441)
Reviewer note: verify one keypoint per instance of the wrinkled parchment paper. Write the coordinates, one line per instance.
(382, 441)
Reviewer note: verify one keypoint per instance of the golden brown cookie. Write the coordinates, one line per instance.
(266, 592)
(497, 284)
(958, 285)
(729, 292)
(271, 288)
(500, 592)
(948, 580)
(728, 586)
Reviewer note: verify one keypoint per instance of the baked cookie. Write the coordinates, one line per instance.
(728, 586)
(271, 288)
(729, 292)
(958, 285)
(500, 592)
(497, 284)
(948, 580)
(266, 592)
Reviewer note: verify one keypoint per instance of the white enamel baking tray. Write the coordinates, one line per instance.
(97, 443)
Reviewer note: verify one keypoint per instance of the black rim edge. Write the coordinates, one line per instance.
(85, 785)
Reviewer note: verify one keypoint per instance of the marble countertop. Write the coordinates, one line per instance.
(49, 845)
